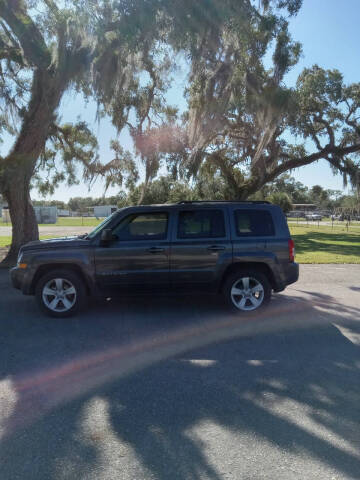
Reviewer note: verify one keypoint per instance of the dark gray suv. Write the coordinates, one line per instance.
(240, 249)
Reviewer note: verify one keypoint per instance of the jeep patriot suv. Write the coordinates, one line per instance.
(242, 250)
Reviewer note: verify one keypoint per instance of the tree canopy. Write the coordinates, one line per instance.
(284, 191)
(243, 126)
(46, 49)
(243, 122)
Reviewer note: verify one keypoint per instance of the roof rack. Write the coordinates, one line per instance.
(184, 202)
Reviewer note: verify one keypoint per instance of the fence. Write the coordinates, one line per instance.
(348, 225)
(80, 220)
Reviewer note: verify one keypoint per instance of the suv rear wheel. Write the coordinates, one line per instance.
(247, 290)
(60, 293)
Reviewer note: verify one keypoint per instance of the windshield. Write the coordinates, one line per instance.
(101, 225)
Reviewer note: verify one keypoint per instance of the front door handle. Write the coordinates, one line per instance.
(216, 248)
(156, 249)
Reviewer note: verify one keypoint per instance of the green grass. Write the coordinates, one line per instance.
(5, 241)
(338, 223)
(326, 245)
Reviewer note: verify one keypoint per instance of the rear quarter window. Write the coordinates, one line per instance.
(254, 223)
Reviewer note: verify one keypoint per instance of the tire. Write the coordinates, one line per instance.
(69, 291)
(248, 299)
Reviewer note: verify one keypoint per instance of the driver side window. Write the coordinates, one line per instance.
(143, 226)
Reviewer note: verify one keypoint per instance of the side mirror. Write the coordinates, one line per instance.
(106, 237)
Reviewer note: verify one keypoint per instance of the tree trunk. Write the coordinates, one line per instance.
(24, 224)
(18, 167)
(249, 187)
(145, 186)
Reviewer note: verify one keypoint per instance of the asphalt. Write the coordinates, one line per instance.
(180, 389)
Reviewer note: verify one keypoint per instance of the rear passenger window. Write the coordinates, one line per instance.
(201, 224)
(254, 223)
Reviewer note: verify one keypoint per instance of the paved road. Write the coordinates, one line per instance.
(178, 389)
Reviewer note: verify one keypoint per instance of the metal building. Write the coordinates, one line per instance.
(45, 214)
(104, 210)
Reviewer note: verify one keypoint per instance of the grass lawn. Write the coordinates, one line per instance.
(326, 245)
(5, 241)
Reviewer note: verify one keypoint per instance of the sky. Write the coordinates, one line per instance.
(328, 31)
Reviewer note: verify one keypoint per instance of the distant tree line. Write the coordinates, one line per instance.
(284, 191)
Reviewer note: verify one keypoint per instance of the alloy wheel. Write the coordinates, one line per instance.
(247, 293)
(59, 295)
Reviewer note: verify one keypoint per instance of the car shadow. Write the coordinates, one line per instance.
(355, 289)
(154, 382)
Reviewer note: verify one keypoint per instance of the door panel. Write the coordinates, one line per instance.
(139, 258)
(252, 227)
(196, 263)
(129, 264)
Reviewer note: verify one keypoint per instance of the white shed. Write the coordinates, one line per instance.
(63, 213)
(45, 214)
(5, 215)
(104, 210)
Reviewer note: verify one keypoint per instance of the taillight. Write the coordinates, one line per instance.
(291, 250)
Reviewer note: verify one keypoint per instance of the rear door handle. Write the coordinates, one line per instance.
(156, 249)
(216, 248)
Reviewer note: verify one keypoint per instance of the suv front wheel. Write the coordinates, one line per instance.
(247, 290)
(60, 293)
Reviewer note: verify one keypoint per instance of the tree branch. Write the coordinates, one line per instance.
(352, 123)
(10, 53)
(300, 162)
(51, 5)
(226, 171)
(329, 130)
(29, 36)
(150, 69)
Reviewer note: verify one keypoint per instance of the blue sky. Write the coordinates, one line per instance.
(327, 30)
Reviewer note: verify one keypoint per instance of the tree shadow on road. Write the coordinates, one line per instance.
(198, 376)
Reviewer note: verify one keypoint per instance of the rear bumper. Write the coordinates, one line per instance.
(290, 275)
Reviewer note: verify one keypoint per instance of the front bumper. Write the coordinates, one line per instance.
(21, 279)
(16, 277)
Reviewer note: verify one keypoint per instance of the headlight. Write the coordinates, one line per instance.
(19, 258)
(20, 261)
